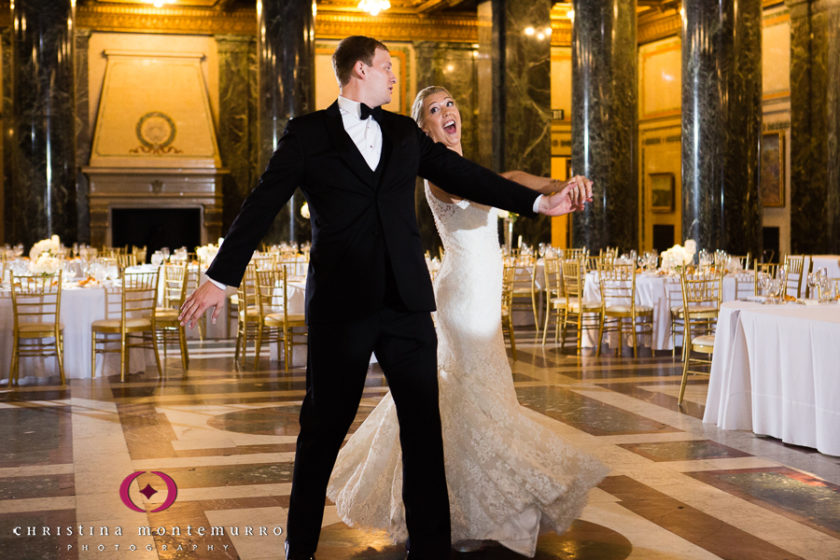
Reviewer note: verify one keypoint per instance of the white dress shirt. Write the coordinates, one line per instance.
(366, 134)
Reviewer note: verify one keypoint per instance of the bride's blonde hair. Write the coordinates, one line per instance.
(417, 107)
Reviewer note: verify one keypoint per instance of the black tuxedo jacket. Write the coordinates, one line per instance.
(365, 237)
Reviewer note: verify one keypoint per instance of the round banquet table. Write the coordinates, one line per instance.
(774, 371)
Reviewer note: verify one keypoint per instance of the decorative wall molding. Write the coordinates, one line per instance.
(148, 19)
(397, 27)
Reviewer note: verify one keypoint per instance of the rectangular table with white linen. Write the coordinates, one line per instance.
(776, 371)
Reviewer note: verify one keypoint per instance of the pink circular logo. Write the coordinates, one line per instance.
(148, 491)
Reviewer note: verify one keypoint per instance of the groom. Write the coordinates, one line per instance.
(368, 287)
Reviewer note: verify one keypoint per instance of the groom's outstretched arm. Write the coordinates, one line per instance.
(466, 179)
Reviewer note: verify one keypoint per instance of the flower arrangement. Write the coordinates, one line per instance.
(44, 256)
(51, 246)
(207, 253)
(678, 255)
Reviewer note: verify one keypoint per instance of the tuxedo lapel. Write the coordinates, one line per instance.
(345, 147)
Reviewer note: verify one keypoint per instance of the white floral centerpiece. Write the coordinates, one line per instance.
(44, 256)
(679, 255)
(206, 253)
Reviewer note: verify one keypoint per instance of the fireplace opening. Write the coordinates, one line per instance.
(156, 228)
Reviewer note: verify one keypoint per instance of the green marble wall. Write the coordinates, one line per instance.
(237, 132)
(721, 124)
(40, 197)
(518, 114)
(604, 122)
(285, 89)
(815, 126)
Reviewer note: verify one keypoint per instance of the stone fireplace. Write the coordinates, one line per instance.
(154, 152)
(115, 189)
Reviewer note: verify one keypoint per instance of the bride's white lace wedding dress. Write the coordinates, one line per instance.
(510, 475)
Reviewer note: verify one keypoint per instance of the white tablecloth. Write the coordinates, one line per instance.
(776, 371)
(79, 308)
(651, 291)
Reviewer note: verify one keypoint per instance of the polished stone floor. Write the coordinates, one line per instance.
(678, 489)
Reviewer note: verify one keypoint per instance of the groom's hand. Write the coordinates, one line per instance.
(573, 196)
(206, 296)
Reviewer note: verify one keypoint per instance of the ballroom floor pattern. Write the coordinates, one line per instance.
(83, 468)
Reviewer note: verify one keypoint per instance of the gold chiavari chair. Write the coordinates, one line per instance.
(701, 304)
(175, 279)
(575, 253)
(524, 285)
(135, 326)
(673, 292)
(555, 298)
(36, 310)
(795, 266)
(585, 315)
(508, 275)
(618, 304)
(125, 260)
(277, 323)
(139, 254)
(746, 284)
(247, 311)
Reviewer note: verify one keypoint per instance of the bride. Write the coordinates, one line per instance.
(510, 475)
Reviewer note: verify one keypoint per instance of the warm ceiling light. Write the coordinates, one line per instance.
(529, 31)
(373, 7)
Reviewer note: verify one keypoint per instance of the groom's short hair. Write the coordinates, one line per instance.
(351, 49)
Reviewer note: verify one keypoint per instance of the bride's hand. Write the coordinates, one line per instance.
(572, 196)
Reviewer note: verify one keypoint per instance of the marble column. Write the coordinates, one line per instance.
(604, 122)
(237, 120)
(721, 124)
(519, 113)
(41, 196)
(286, 89)
(84, 135)
(815, 126)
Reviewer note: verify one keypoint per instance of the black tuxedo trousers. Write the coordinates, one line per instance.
(368, 290)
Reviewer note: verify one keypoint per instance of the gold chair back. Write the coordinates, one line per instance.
(36, 311)
(795, 266)
(618, 304)
(584, 315)
(702, 295)
(508, 284)
(175, 279)
(135, 320)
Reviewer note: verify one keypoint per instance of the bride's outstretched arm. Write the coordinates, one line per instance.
(543, 185)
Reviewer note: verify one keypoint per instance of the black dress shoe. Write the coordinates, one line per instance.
(296, 556)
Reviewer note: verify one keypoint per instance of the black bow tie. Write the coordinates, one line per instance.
(376, 112)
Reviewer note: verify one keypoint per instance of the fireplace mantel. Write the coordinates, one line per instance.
(146, 187)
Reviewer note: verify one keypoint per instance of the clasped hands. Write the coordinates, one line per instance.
(569, 196)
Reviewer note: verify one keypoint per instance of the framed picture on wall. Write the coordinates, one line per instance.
(772, 178)
(661, 192)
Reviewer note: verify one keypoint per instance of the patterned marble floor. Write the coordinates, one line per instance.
(678, 489)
